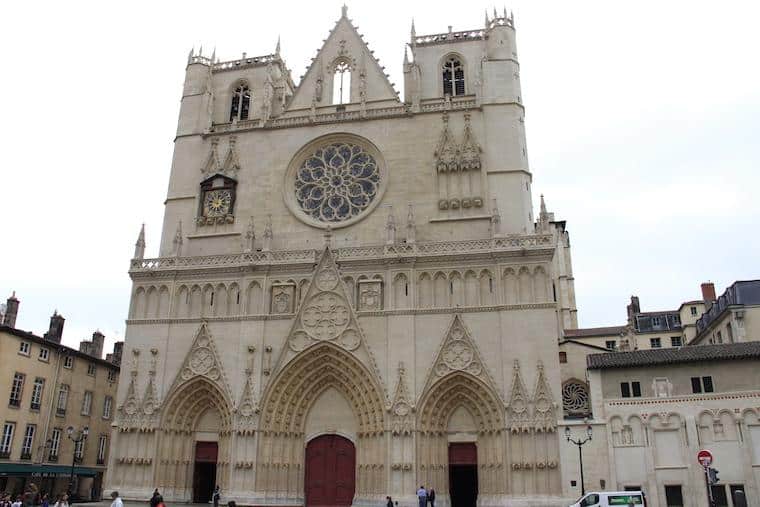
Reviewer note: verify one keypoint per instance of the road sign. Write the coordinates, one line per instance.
(705, 458)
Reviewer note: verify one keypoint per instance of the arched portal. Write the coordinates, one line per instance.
(194, 444)
(330, 465)
(286, 408)
(461, 418)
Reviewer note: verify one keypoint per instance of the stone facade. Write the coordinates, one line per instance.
(367, 267)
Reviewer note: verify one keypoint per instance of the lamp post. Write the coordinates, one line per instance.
(579, 443)
(75, 436)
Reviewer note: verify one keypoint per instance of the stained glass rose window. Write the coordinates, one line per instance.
(337, 182)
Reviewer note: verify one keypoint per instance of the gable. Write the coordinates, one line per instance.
(344, 45)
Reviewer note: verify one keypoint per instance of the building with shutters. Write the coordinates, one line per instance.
(51, 387)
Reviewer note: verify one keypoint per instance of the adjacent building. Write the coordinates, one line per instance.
(51, 387)
(654, 410)
(733, 317)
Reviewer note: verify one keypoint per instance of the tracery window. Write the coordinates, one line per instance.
(575, 399)
(453, 77)
(241, 103)
(337, 182)
(342, 83)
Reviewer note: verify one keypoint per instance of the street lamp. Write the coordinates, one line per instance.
(75, 436)
(580, 443)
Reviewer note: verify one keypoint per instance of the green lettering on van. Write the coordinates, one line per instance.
(625, 500)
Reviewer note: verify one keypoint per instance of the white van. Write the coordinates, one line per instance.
(610, 498)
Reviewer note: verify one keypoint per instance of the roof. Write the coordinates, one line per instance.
(594, 331)
(70, 351)
(583, 344)
(687, 354)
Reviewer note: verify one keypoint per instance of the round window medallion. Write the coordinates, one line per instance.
(335, 181)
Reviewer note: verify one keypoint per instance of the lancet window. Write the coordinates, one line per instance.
(241, 103)
(342, 83)
(453, 77)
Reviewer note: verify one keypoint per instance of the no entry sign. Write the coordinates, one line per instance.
(705, 458)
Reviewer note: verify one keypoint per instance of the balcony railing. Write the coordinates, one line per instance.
(380, 252)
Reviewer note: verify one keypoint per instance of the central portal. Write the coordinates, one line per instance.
(330, 471)
(463, 474)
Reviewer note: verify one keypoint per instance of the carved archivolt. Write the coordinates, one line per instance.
(313, 371)
(518, 408)
(186, 404)
(460, 389)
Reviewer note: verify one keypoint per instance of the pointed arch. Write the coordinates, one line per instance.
(313, 370)
(460, 388)
(219, 308)
(287, 402)
(509, 284)
(525, 286)
(151, 305)
(471, 289)
(400, 291)
(182, 302)
(162, 309)
(138, 303)
(486, 287)
(425, 291)
(254, 297)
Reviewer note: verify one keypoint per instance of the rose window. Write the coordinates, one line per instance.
(575, 398)
(337, 182)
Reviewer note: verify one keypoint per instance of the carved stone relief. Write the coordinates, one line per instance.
(283, 296)
(370, 295)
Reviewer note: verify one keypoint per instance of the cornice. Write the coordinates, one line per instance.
(685, 398)
(359, 313)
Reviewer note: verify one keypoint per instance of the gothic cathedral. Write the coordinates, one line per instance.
(353, 296)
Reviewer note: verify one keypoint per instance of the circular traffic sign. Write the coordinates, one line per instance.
(705, 458)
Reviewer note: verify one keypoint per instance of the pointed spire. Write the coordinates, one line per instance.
(277, 48)
(390, 228)
(406, 56)
(495, 14)
(413, 31)
(344, 11)
(268, 234)
(505, 13)
(140, 244)
(411, 227)
(200, 51)
(543, 205)
(213, 55)
(178, 240)
(488, 22)
(190, 55)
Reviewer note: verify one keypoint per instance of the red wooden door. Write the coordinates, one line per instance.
(330, 471)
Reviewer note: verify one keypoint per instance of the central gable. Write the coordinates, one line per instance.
(345, 48)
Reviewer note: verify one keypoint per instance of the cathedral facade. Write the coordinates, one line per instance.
(353, 296)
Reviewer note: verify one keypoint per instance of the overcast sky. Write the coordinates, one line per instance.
(643, 121)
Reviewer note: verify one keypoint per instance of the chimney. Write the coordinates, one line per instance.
(708, 294)
(55, 332)
(633, 309)
(97, 344)
(11, 311)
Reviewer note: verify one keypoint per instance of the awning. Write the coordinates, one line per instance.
(22, 469)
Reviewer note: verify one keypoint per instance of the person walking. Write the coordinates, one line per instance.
(389, 502)
(216, 496)
(61, 501)
(45, 502)
(431, 497)
(422, 496)
(116, 500)
(154, 498)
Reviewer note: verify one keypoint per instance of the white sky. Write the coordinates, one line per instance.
(642, 121)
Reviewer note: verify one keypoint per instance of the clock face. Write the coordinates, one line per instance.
(216, 203)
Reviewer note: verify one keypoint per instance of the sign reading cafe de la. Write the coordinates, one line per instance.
(353, 296)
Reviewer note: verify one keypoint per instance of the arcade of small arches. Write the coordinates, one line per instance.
(431, 289)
